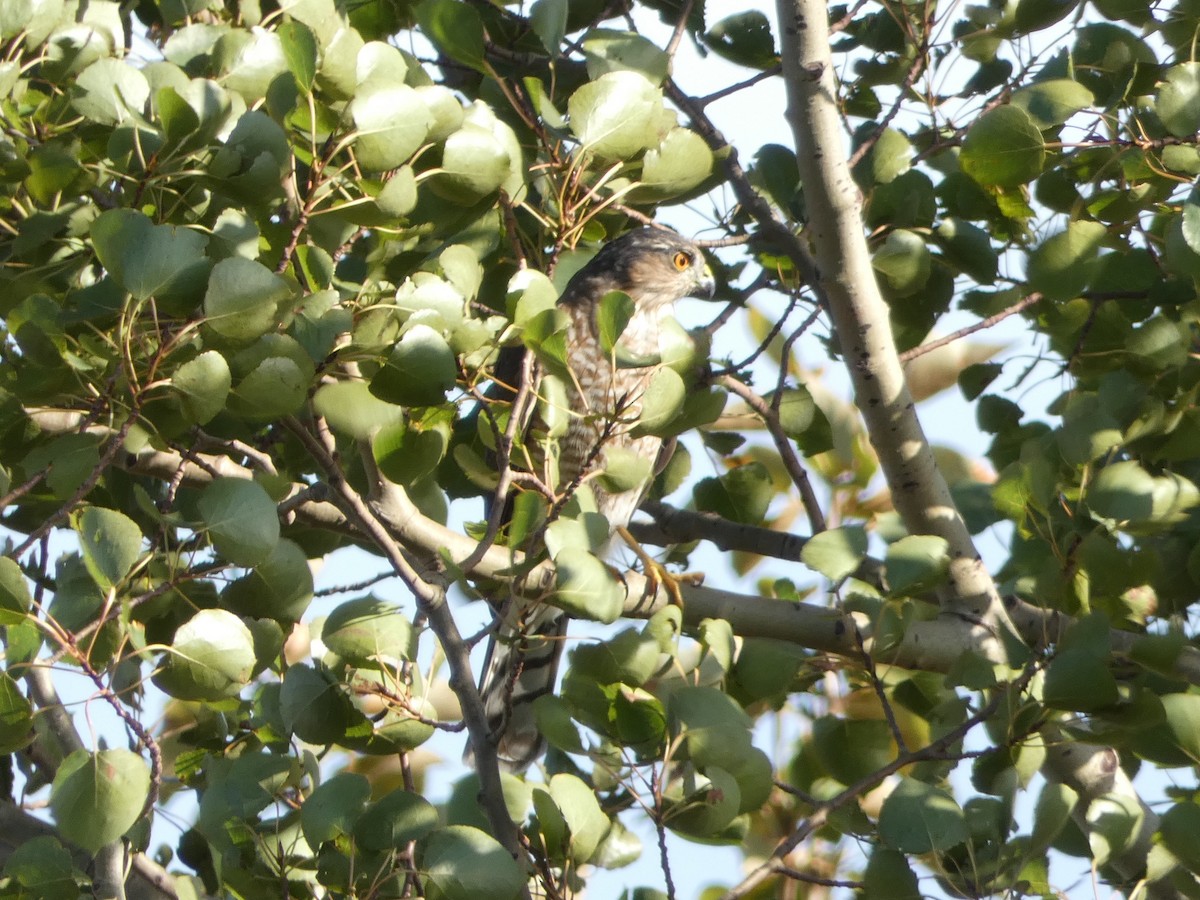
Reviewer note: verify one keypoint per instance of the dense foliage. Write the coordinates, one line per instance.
(256, 273)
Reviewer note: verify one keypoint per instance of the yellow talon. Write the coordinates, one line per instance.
(656, 573)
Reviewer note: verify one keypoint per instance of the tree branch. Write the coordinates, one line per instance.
(860, 316)
(931, 644)
(431, 599)
(108, 875)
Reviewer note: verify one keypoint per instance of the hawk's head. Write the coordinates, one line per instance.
(652, 265)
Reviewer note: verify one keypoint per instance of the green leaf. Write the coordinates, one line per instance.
(740, 495)
(243, 297)
(1180, 830)
(203, 384)
(717, 642)
(110, 542)
(396, 819)
(679, 163)
(419, 370)
(42, 865)
(1178, 100)
(300, 51)
(180, 122)
(407, 454)
(1050, 103)
(1182, 713)
(837, 552)
(1189, 222)
(625, 470)
(463, 863)
(16, 716)
(1003, 149)
(367, 632)
(1159, 343)
(904, 262)
(918, 817)
(616, 309)
(851, 749)
(715, 731)
(441, 303)
(251, 61)
(586, 822)
(476, 162)
(455, 28)
(463, 806)
(616, 116)
(1034, 15)
(661, 402)
(241, 520)
(1114, 822)
(620, 848)
(15, 598)
(704, 805)
(314, 707)
(391, 122)
(1089, 430)
(889, 875)
(585, 587)
(607, 50)
(1063, 265)
(1122, 492)
(110, 92)
(916, 563)
(460, 265)
(211, 657)
(51, 169)
(744, 38)
(548, 19)
(71, 458)
(554, 722)
(631, 657)
(1079, 681)
(351, 409)
(280, 587)
(891, 156)
(399, 195)
(969, 248)
(333, 809)
(97, 797)
(274, 388)
(766, 669)
(142, 257)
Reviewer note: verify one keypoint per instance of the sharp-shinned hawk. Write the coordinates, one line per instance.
(655, 268)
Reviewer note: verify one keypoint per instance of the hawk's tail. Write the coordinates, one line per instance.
(522, 665)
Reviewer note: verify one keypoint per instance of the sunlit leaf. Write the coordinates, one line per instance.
(211, 657)
(617, 115)
(463, 863)
(97, 797)
(241, 520)
(1003, 148)
(918, 817)
(110, 541)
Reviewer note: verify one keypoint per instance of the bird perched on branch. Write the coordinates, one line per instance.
(655, 268)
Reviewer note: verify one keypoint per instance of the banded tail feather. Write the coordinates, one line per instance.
(521, 666)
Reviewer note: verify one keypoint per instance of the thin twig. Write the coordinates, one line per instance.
(110, 453)
(1020, 306)
(880, 693)
(680, 27)
(787, 453)
(935, 750)
(431, 600)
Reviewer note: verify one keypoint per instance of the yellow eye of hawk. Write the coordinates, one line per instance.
(682, 260)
